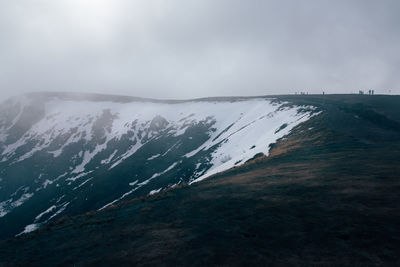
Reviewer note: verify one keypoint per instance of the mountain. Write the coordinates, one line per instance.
(67, 154)
(327, 194)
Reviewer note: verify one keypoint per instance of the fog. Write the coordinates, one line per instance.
(188, 49)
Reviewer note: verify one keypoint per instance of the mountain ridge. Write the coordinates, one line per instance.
(126, 98)
(60, 156)
(326, 195)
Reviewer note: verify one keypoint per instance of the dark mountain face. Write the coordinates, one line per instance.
(326, 195)
(68, 154)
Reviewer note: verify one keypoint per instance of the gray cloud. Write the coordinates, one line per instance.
(186, 49)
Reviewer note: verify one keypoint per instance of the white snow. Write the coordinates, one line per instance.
(29, 228)
(49, 182)
(79, 186)
(158, 174)
(59, 199)
(10, 204)
(62, 208)
(139, 186)
(118, 199)
(258, 134)
(45, 212)
(133, 183)
(152, 192)
(22, 199)
(129, 153)
(46, 183)
(172, 147)
(154, 156)
(32, 227)
(3, 210)
(73, 179)
(87, 157)
(109, 159)
(252, 122)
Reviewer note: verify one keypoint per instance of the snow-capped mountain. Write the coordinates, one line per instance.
(64, 154)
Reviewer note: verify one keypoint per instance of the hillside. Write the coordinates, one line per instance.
(326, 194)
(67, 154)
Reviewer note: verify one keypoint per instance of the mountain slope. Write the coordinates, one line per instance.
(327, 195)
(66, 154)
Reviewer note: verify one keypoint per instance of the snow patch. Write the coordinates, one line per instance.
(63, 207)
(258, 134)
(109, 159)
(45, 212)
(73, 179)
(152, 192)
(46, 183)
(10, 204)
(138, 186)
(29, 228)
(79, 186)
(133, 183)
(154, 156)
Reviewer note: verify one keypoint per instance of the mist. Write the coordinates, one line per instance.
(190, 49)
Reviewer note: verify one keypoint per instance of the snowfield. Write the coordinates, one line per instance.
(238, 126)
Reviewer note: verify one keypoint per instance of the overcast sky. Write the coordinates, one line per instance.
(185, 48)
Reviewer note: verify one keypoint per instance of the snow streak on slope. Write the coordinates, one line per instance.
(70, 144)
